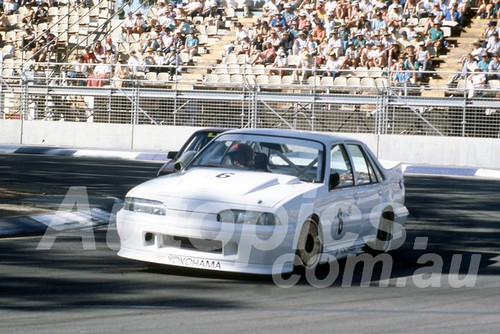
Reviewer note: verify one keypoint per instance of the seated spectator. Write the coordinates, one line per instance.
(41, 14)
(469, 64)
(484, 62)
(410, 9)
(101, 74)
(485, 10)
(411, 65)
(304, 69)
(28, 39)
(333, 66)
(127, 25)
(476, 82)
(493, 44)
(453, 14)
(89, 55)
(77, 71)
(435, 38)
(140, 25)
(265, 57)
(173, 62)
(191, 46)
(10, 7)
(280, 64)
(400, 77)
(109, 45)
(134, 64)
(98, 49)
(152, 39)
(193, 8)
(148, 61)
(9, 50)
(269, 8)
(477, 51)
(395, 18)
(119, 74)
(494, 67)
(423, 57)
(213, 15)
(28, 15)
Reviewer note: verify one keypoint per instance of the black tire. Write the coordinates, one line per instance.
(309, 245)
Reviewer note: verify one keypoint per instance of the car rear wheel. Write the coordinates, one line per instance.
(310, 245)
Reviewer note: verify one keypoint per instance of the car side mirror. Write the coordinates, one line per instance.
(334, 181)
(184, 160)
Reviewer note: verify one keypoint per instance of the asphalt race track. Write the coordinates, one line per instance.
(77, 286)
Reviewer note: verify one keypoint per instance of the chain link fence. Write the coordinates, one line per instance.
(199, 97)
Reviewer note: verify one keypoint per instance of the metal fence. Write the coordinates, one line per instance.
(194, 96)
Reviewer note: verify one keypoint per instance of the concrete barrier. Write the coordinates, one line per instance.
(431, 150)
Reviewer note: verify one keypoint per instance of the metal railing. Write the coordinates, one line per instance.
(184, 96)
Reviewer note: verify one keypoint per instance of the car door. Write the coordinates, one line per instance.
(368, 194)
(339, 216)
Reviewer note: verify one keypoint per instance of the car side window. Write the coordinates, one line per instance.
(339, 163)
(364, 169)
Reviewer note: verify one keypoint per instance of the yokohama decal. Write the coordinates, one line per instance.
(192, 262)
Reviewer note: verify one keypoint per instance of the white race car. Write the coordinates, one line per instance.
(265, 201)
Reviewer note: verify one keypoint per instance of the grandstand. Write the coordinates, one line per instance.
(220, 58)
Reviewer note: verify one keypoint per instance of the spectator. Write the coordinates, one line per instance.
(139, 24)
(379, 22)
(469, 64)
(98, 49)
(336, 45)
(485, 10)
(28, 15)
(28, 39)
(333, 66)
(477, 51)
(8, 50)
(191, 46)
(300, 43)
(454, 15)
(152, 39)
(280, 64)
(214, 15)
(278, 18)
(352, 56)
(410, 9)
(173, 62)
(423, 57)
(476, 82)
(10, 7)
(493, 45)
(436, 38)
(89, 55)
(77, 72)
(109, 45)
(127, 25)
(101, 74)
(134, 64)
(490, 30)
(400, 77)
(395, 17)
(148, 61)
(269, 8)
(265, 57)
(167, 39)
(494, 67)
(119, 74)
(193, 8)
(411, 65)
(304, 69)
(41, 14)
(288, 14)
(484, 62)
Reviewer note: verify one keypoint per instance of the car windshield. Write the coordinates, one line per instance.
(280, 155)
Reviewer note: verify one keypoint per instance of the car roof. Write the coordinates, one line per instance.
(317, 136)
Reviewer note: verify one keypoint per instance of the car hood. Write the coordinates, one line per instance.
(222, 185)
